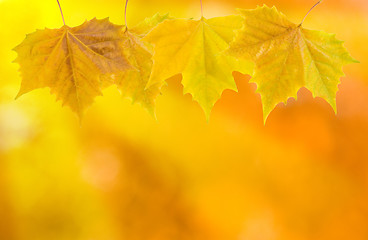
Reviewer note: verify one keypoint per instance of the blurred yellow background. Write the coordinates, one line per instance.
(123, 175)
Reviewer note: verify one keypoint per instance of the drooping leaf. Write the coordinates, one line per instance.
(195, 49)
(289, 57)
(132, 83)
(70, 61)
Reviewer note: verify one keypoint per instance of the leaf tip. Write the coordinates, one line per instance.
(20, 93)
(80, 119)
(353, 60)
(151, 111)
(266, 110)
(18, 96)
(208, 116)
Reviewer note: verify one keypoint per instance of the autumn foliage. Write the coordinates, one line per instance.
(77, 62)
(253, 133)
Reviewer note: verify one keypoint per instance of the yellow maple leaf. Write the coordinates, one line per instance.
(132, 84)
(195, 49)
(70, 61)
(289, 57)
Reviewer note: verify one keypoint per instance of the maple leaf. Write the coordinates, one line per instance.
(132, 84)
(70, 61)
(289, 57)
(195, 49)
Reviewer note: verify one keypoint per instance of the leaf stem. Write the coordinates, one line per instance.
(201, 9)
(61, 11)
(315, 5)
(125, 13)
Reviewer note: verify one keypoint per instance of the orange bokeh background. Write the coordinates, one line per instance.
(123, 175)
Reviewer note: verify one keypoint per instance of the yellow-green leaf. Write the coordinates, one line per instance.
(289, 57)
(196, 50)
(70, 61)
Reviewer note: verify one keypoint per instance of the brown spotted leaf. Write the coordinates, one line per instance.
(70, 61)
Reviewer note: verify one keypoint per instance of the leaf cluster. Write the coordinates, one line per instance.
(78, 63)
